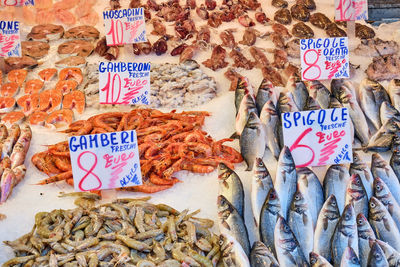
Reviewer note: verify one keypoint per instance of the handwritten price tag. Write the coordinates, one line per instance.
(104, 161)
(124, 83)
(318, 137)
(17, 2)
(10, 41)
(125, 26)
(324, 58)
(346, 10)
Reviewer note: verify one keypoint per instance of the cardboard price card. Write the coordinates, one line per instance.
(125, 26)
(10, 41)
(105, 161)
(124, 83)
(346, 10)
(318, 137)
(17, 2)
(324, 58)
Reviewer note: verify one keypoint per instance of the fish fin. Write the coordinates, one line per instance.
(226, 225)
(390, 209)
(325, 223)
(305, 219)
(235, 136)
(255, 221)
(386, 224)
(290, 257)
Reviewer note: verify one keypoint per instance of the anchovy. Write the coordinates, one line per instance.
(358, 166)
(319, 92)
(247, 106)
(377, 257)
(318, 261)
(395, 163)
(270, 120)
(365, 234)
(266, 91)
(270, 212)
(349, 258)
(382, 193)
(299, 91)
(243, 88)
(382, 140)
(261, 256)
(387, 111)
(392, 256)
(356, 195)
(394, 92)
(335, 183)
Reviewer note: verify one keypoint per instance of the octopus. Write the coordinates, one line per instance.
(302, 31)
(160, 46)
(319, 20)
(34, 49)
(202, 12)
(178, 50)
(240, 61)
(158, 27)
(108, 52)
(227, 38)
(364, 32)
(279, 3)
(246, 21)
(280, 58)
(281, 30)
(261, 18)
(277, 39)
(293, 48)
(249, 37)
(300, 12)
(310, 4)
(203, 36)
(272, 75)
(260, 59)
(376, 47)
(217, 60)
(384, 68)
(283, 16)
(249, 4)
(144, 48)
(334, 31)
(214, 20)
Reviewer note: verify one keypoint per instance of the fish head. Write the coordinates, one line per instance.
(273, 198)
(224, 171)
(376, 208)
(356, 158)
(348, 213)
(361, 221)
(224, 206)
(379, 186)
(334, 103)
(351, 256)
(332, 205)
(299, 203)
(378, 161)
(314, 257)
(253, 121)
(377, 253)
(269, 108)
(356, 183)
(286, 159)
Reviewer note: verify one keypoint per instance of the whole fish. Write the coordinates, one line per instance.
(3, 132)
(17, 155)
(336, 85)
(365, 234)
(396, 142)
(326, 225)
(285, 105)
(392, 256)
(334, 103)
(372, 95)
(382, 193)
(349, 258)
(395, 163)
(270, 212)
(394, 92)
(345, 235)
(382, 140)
(298, 90)
(311, 104)
(358, 166)
(387, 111)
(261, 256)
(318, 261)
(311, 188)
(319, 92)
(383, 224)
(377, 257)
(266, 91)
(8, 143)
(231, 223)
(300, 222)
(380, 168)
(243, 88)
(252, 141)
(19, 173)
(261, 183)
(231, 187)
(335, 183)
(356, 195)
(25, 138)
(288, 250)
(247, 106)
(7, 184)
(232, 252)
(286, 180)
(269, 118)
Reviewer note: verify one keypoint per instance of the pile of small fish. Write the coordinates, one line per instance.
(14, 145)
(125, 232)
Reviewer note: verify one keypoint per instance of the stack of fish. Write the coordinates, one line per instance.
(352, 219)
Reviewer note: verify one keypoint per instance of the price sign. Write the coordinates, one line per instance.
(125, 26)
(318, 137)
(124, 83)
(105, 161)
(324, 58)
(346, 10)
(17, 2)
(10, 41)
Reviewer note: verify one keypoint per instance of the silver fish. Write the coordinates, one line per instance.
(288, 250)
(394, 92)
(356, 195)
(299, 91)
(232, 253)
(334, 103)
(285, 105)
(396, 142)
(300, 221)
(395, 163)
(383, 224)
(261, 256)
(382, 140)
(335, 183)
(311, 104)
(382, 193)
(252, 141)
(231, 223)
(269, 118)
(372, 95)
(380, 168)
(362, 169)
(387, 111)
(345, 235)
(231, 187)
(326, 224)
(311, 188)
(261, 183)
(349, 258)
(243, 88)
(318, 261)
(319, 92)
(365, 234)
(270, 212)
(246, 107)
(377, 257)
(286, 180)
(266, 91)
(392, 256)
(337, 90)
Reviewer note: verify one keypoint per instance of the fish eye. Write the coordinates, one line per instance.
(297, 197)
(334, 203)
(347, 216)
(272, 195)
(358, 182)
(378, 187)
(360, 221)
(286, 228)
(372, 205)
(354, 260)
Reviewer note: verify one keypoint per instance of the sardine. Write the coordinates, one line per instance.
(7, 184)
(300, 221)
(335, 183)
(299, 91)
(319, 92)
(270, 212)
(247, 106)
(261, 183)
(287, 248)
(231, 223)
(286, 180)
(392, 256)
(365, 234)
(380, 168)
(383, 224)
(377, 257)
(382, 140)
(266, 91)
(261, 256)
(311, 189)
(387, 111)
(349, 258)
(395, 163)
(231, 187)
(318, 261)
(252, 141)
(394, 92)
(382, 193)
(270, 120)
(345, 235)
(311, 104)
(326, 224)
(243, 88)
(356, 195)
(362, 169)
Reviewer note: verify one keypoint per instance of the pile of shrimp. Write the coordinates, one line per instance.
(68, 12)
(168, 143)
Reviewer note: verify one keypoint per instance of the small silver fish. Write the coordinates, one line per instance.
(298, 90)
(247, 106)
(319, 92)
(349, 258)
(358, 166)
(270, 212)
(335, 183)
(394, 92)
(261, 256)
(318, 261)
(392, 256)
(356, 195)
(377, 257)
(334, 103)
(382, 193)
(269, 118)
(365, 234)
(266, 92)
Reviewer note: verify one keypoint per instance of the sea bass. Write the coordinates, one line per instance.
(382, 193)
(243, 88)
(395, 163)
(335, 183)
(394, 92)
(334, 103)
(365, 234)
(311, 104)
(319, 92)
(270, 120)
(392, 256)
(247, 106)
(362, 169)
(285, 105)
(382, 140)
(298, 90)
(349, 258)
(387, 111)
(266, 92)
(356, 195)
(377, 257)
(261, 256)
(318, 261)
